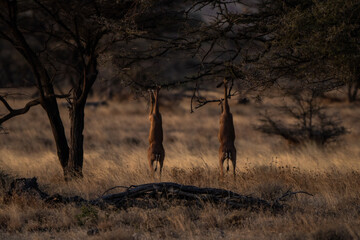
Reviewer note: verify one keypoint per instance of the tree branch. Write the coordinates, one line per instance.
(202, 101)
(15, 112)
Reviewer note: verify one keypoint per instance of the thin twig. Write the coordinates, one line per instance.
(289, 193)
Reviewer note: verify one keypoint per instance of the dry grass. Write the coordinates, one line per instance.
(115, 154)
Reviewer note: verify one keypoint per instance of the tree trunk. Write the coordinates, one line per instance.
(57, 127)
(76, 157)
(77, 115)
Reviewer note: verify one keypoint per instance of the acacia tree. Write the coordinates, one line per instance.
(225, 44)
(158, 57)
(220, 37)
(258, 43)
(315, 42)
(55, 37)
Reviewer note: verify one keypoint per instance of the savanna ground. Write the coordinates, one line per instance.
(115, 154)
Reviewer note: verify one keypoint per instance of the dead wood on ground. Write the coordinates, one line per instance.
(152, 195)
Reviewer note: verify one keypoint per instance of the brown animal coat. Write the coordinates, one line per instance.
(156, 152)
(227, 150)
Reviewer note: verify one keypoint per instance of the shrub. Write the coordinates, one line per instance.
(310, 122)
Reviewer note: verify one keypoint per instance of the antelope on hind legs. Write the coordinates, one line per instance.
(156, 152)
(227, 150)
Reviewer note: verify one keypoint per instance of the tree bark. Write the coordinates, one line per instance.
(76, 158)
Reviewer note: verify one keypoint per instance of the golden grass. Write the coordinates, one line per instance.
(115, 154)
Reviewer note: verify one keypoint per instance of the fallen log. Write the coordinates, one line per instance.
(153, 195)
(174, 191)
